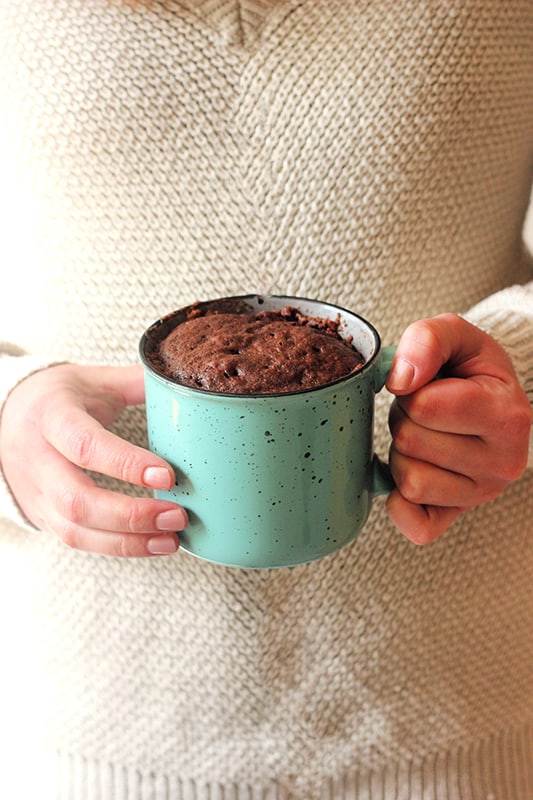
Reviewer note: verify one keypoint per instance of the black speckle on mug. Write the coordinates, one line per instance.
(306, 455)
(324, 422)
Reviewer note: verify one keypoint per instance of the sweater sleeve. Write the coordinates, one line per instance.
(15, 365)
(508, 317)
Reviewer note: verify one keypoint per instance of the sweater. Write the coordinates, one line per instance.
(374, 154)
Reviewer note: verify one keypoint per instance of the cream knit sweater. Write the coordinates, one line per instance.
(373, 153)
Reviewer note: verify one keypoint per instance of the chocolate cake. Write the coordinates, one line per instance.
(264, 353)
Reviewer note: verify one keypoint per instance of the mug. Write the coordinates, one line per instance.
(270, 480)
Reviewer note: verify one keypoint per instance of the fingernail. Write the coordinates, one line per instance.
(162, 545)
(401, 376)
(157, 478)
(174, 519)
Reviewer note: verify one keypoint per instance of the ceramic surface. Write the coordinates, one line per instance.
(272, 480)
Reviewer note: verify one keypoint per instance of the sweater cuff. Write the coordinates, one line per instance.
(507, 316)
(14, 367)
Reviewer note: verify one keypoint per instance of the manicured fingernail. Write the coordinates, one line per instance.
(174, 519)
(401, 376)
(162, 545)
(158, 478)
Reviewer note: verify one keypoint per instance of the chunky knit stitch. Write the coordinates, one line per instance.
(366, 152)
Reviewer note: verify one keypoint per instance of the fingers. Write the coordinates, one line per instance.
(484, 427)
(427, 484)
(459, 440)
(110, 543)
(421, 524)
(92, 507)
(93, 519)
(82, 440)
(469, 407)
(53, 428)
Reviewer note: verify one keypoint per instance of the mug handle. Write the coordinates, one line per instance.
(382, 481)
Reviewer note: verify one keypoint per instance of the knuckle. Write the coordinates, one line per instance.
(68, 533)
(403, 440)
(127, 547)
(423, 408)
(425, 534)
(436, 522)
(122, 549)
(81, 447)
(410, 486)
(71, 506)
(135, 516)
(127, 465)
(510, 469)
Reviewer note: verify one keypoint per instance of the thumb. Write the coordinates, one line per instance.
(426, 346)
(127, 381)
(130, 380)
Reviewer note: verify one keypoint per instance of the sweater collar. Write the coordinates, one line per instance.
(236, 22)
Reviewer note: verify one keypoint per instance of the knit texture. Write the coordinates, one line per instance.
(365, 152)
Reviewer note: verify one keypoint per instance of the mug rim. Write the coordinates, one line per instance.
(149, 334)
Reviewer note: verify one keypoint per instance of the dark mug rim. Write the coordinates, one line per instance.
(164, 325)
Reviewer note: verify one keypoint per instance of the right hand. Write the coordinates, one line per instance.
(53, 428)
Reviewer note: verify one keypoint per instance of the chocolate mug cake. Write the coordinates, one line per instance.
(237, 352)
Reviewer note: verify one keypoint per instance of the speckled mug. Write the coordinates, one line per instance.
(270, 480)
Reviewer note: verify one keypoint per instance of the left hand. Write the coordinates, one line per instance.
(457, 441)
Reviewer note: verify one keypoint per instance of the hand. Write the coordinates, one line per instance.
(53, 427)
(457, 441)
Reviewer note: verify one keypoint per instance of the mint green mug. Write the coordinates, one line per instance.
(270, 480)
